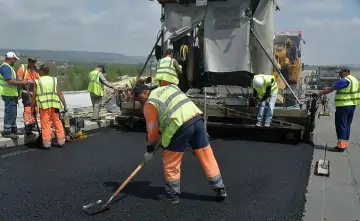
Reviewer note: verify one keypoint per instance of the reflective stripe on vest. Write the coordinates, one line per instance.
(166, 71)
(132, 81)
(46, 93)
(350, 95)
(95, 85)
(5, 88)
(267, 79)
(173, 107)
(25, 72)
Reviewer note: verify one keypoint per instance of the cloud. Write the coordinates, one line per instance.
(127, 26)
(332, 23)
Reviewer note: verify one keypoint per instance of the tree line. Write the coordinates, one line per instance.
(74, 76)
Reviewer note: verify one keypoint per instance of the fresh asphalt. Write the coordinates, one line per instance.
(265, 181)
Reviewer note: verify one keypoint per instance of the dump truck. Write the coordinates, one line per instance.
(227, 43)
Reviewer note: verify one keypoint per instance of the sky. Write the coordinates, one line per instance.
(331, 27)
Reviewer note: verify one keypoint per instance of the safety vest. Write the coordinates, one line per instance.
(95, 85)
(166, 71)
(174, 109)
(25, 71)
(46, 93)
(132, 81)
(5, 88)
(267, 80)
(350, 95)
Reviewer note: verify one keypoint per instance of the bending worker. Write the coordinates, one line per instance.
(9, 94)
(179, 120)
(28, 72)
(168, 70)
(49, 99)
(96, 89)
(266, 89)
(346, 98)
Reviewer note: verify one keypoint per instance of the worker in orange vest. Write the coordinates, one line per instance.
(49, 99)
(28, 72)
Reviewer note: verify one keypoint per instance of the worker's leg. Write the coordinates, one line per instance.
(45, 121)
(10, 114)
(28, 119)
(350, 116)
(270, 110)
(59, 127)
(260, 114)
(96, 102)
(201, 145)
(341, 121)
(172, 157)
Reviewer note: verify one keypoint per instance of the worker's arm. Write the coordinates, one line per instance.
(152, 126)
(61, 96)
(33, 98)
(104, 81)
(340, 84)
(7, 74)
(177, 67)
(267, 93)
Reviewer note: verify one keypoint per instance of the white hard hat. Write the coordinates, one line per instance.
(11, 55)
(258, 81)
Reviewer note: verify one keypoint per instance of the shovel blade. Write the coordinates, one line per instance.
(95, 208)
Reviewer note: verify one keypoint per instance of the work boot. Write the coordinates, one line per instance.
(336, 149)
(258, 124)
(18, 133)
(174, 199)
(11, 136)
(220, 194)
(267, 124)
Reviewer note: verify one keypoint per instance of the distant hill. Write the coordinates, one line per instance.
(77, 56)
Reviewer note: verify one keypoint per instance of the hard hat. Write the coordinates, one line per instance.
(258, 81)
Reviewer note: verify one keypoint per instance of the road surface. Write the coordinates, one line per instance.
(264, 181)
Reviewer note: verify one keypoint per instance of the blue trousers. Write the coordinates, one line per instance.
(10, 114)
(343, 119)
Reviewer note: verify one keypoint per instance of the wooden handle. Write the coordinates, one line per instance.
(133, 174)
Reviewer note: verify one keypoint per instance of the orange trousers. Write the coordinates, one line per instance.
(28, 116)
(47, 117)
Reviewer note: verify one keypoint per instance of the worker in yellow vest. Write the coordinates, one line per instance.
(168, 70)
(347, 97)
(170, 112)
(49, 98)
(265, 89)
(96, 90)
(9, 93)
(28, 72)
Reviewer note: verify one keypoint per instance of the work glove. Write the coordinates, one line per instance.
(148, 156)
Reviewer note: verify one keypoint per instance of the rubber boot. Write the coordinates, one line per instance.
(220, 194)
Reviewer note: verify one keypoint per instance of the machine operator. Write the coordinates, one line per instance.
(347, 97)
(168, 70)
(266, 89)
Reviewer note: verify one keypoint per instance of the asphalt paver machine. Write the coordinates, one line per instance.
(227, 42)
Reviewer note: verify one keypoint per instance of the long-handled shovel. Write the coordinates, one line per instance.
(39, 138)
(100, 205)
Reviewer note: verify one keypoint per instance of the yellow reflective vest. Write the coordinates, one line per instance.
(132, 81)
(46, 93)
(267, 80)
(95, 86)
(350, 95)
(5, 88)
(174, 109)
(166, 71)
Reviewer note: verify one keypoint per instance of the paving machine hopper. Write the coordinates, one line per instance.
(227, 42)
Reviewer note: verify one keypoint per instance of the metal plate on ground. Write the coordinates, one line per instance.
(322, 168)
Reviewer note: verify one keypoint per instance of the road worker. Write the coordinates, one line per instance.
(347, 97)
(49, 99)
(9, 93)
(169, 111)
(28, 72)
(134, 80)
(168, 70)
(96, 89)
(266, 89)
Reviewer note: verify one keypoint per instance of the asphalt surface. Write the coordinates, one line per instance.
(265, 181)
